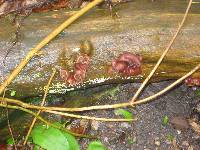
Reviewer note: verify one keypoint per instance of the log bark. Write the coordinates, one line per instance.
(142, 27)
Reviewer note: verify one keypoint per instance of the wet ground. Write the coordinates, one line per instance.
(148, 132)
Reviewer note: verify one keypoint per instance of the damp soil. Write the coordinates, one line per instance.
(148, 132)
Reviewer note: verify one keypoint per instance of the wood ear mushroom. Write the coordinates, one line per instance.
(126, 64)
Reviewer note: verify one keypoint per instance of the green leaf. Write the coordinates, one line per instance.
(165, 120)
(125, 113)
(36, 147)
(72, 141)
(10, 141)
(53, 139)
(96, 145)
(13, 93)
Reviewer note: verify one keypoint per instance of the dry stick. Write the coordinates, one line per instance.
(168, 87)
(9, 126)
(42, 104)
(53, 111)
(26, 105)
(88, 117)
(43, 120)
(103, 106)
(162, 56)
(45, 41)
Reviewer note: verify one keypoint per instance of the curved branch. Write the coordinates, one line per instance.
(162, 56)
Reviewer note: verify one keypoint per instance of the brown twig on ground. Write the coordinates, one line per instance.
(45, 41)
(145, 100)
(162, 56)
(42, 104)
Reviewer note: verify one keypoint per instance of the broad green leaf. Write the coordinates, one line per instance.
(52, 139)
(13, 93)
(36, 147)
(96, 145)
(125, 113)
(73, 144)
(71, 140)
(165, 120)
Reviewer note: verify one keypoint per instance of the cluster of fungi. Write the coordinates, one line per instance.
(127, 64)
(80, 66)
(79, 72)
(193, 81)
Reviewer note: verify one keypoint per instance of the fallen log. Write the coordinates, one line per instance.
(142, 27)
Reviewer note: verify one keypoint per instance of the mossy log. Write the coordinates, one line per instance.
(141, 27)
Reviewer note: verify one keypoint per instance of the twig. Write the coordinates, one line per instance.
(168, 87)
(42, 104)
(103, 106)
(43, 120)
(45, 41)
(26, 105)
(9, 126)
(87, 117)
(162, 56)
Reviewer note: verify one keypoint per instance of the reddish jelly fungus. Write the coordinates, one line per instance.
(127, 64)
(192, 81)
(79, 72)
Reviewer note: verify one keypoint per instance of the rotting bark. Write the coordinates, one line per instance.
(142, 29)
(22, 6)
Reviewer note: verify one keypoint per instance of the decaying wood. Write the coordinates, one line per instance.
(22, 6)
(142, 29)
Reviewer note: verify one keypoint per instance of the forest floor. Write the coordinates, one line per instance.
(161, 124)
(149, 132)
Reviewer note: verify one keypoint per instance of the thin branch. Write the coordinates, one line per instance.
(9, 126)
(162, 56)
(103, 106)
(87, 117)
(30, 106)
(168, 87)
(42, 104)
(45, 41)
(43, 120)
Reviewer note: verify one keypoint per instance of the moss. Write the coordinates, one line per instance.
(108, 92)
